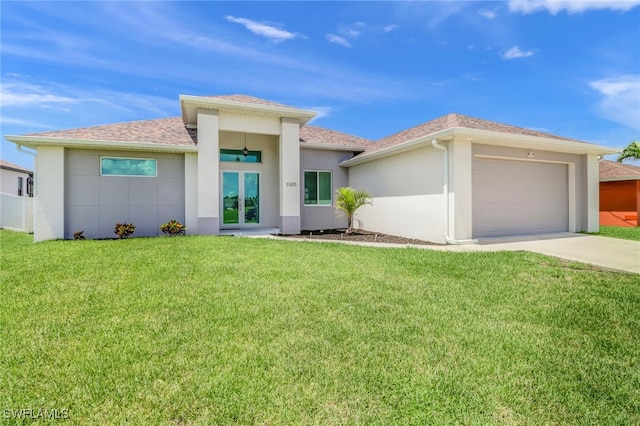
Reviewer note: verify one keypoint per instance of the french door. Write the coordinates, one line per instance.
(240, 198)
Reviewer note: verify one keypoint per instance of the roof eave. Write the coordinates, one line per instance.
(14, 169)
(226, 105)
(331, 147)
(491, 137)
(620, 179)
(34, 141)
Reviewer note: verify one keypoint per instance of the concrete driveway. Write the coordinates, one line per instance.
(610, 253)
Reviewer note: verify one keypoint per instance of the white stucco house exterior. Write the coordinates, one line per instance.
(16, 204)
(14, 179)
(238, 162)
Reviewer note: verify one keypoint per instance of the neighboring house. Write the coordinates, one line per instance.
(16, 180)
(619, 194)
(16, 206)
(240, 162)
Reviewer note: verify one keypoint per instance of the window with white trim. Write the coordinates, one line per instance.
(120, 166)
(317, 188)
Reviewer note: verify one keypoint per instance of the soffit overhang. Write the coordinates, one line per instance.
(486, 137)
(34, 142)
(190, 105)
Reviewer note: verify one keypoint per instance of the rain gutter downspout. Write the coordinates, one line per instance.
(445, 179)
(21, 149)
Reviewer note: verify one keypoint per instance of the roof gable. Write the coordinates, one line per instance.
(612, 171)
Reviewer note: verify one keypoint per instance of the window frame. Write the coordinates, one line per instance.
(241, 158)
(20, 186)
(108, 157)
(304, 187)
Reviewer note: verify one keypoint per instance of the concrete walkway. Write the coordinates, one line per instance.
(608, 253)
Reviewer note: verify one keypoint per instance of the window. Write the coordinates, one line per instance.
(30, 186)
(317, 188)
(110, 166)
(238, 155)
(20, 185)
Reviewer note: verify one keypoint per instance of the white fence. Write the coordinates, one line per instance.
(16, 213)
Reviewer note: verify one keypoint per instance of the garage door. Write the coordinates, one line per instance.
(519, 197)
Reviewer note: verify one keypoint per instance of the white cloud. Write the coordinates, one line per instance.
(570, 6)
(22, 122)
(54, 97)
(389, 28)
(338, 40)
(321, 111)
(353, 31)
(515, 52)
(489, 14)
(263, 29)
(620, 100)
(21, 95)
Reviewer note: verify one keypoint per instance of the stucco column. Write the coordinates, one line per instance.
(191, 192)
(208, 173)
(593, 193)
(460, 184)
(49, 193)
(289, 176)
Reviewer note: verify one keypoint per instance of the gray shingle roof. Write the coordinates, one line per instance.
(451, 121)
(611, 170)
(315, 134)
(248, 99)
(172, 131)
(164, 131)
(15, 167)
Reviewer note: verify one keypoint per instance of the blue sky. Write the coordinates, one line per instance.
(368, 68)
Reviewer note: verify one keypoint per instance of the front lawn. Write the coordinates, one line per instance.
(626, 233)
(224, 330)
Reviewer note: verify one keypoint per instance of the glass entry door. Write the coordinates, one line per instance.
(240, 198)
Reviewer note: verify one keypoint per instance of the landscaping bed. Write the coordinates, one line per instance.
(356, 235)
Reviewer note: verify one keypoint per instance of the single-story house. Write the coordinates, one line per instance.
(239, 162)
(16, 180)
(16, 204)
(619, 194)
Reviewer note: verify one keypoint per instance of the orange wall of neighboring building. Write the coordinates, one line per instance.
(620, 195)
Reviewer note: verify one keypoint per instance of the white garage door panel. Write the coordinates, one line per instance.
(519, 197)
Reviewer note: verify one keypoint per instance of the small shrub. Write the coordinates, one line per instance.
(78, 235)
(173, 227)
(124, 230)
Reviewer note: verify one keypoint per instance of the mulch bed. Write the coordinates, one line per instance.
(356, 235)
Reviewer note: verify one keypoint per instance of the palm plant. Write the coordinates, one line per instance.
(348, 200)
(631, 152)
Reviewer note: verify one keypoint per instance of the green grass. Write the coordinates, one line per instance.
(620, 232)
(222, 330)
